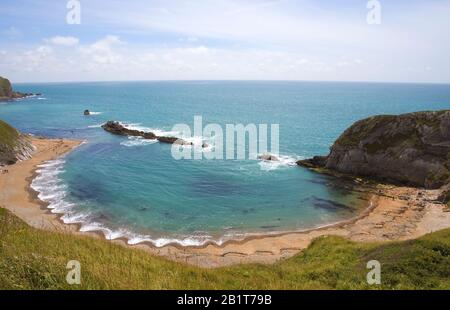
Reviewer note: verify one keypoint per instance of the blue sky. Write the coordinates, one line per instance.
(234, 39)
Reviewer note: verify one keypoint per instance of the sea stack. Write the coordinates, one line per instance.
(412, 149)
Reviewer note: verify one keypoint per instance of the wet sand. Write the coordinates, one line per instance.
(394, 213)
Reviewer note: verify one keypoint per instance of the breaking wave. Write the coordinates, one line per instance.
(52, 190)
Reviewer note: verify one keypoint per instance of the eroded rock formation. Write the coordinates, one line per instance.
(411, 148)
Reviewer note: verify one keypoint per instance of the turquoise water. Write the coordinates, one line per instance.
(129, 188)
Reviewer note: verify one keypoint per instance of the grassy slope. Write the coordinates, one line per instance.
(8, 135)
(33, 259)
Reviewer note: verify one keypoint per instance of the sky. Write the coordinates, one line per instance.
(225, 40)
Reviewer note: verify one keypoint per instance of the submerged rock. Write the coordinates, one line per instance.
(411, 148)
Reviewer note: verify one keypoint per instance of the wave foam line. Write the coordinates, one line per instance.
(283, 162)
(53, 191)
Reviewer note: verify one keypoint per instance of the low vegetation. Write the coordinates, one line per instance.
(8, 135)
(34, 259)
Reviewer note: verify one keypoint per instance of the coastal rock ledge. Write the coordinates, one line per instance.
(412, 149)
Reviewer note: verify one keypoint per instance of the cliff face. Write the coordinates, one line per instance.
(6, 91)
(13, 145)
(410, 148)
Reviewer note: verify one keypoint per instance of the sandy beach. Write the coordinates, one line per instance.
(394, 213)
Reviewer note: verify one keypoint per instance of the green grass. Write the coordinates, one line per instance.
(34, 259)
(8, 135)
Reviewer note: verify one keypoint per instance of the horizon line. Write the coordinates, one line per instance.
(233, 80)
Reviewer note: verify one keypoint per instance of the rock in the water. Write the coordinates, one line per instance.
(118, 129)
(87, 112)
(173, 140)
(411, 148)
(268, 157)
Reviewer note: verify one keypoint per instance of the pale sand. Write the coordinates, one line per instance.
(395, 213)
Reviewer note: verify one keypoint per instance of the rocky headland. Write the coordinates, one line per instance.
(409, 149)
(7, 92)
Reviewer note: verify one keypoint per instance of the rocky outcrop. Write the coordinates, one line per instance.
(7, 93)
(14, 146)
(412, 148)
(173, 140)
(268, 157)
(118, 129)
(87, 112)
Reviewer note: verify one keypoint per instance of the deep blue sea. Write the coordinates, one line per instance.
(136, 189)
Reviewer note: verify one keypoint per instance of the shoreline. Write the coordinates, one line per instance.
(394, 213)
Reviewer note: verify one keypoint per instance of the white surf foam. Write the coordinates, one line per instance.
(137, 141)
(283, 162)
(50, 188)
(53, 191)
(156, 131)
(196, 140)
(95, 126)
(95, 113)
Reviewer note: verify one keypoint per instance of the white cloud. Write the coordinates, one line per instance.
(102, 51)
(64, 41)
(200, 50)
(252, 39)
(189, 39)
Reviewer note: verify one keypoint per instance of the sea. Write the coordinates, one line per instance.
(136, 189)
